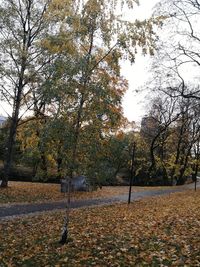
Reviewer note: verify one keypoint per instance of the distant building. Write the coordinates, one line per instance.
(149, 126)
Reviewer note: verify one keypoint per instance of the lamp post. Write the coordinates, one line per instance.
(132, 170)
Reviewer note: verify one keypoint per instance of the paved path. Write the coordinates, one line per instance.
(22, 209)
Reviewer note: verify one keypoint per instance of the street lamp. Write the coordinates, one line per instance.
(132, 170)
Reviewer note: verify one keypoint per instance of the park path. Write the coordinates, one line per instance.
(9, 211)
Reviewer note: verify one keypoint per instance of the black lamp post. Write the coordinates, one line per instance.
(132, 170)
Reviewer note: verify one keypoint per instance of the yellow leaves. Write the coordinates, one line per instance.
(60, 44)
(59, 9)
(37, 192)
(93, 6)
(120, 136)
(165, 235)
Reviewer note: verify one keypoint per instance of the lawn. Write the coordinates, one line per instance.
(19, 192)
(159, 231)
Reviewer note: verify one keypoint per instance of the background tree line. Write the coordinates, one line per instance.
(167, 147)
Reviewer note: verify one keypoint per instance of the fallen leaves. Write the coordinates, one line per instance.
(20, 192)
(161, 231)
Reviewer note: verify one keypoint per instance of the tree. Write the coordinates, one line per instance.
(100, 40)
(155, 131)
(23, 24)
(179, 50)
(185, 134)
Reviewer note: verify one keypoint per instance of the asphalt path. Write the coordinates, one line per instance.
(13, 210)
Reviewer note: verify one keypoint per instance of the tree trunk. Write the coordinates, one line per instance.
(11, 141)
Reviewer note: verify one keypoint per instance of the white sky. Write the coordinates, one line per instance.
(136, 74)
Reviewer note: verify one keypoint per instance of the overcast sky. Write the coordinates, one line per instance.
(134, 103)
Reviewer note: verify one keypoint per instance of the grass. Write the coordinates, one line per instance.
(159, 231)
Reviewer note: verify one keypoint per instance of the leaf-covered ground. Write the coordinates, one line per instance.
(161, 231)
(19, 192)
(38, 192)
